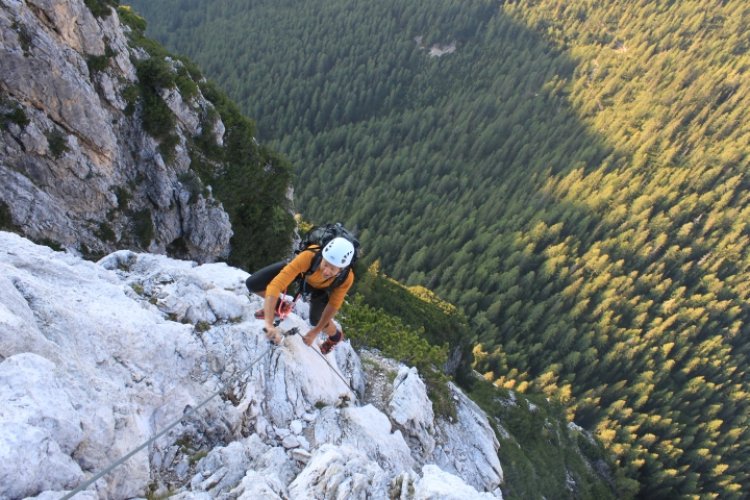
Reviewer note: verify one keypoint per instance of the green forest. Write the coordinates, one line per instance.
(571, 175)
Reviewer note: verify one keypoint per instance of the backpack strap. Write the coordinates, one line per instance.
(299, 281)
(316, 260)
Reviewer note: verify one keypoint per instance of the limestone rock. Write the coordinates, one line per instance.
(411, 409)
(97, 359)
(76, 167)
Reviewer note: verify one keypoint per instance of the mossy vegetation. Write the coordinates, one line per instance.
(132, 20)
(131, 95)
(97, 64)
(192, 183)
(11, 112)
(202, 327)
(185, 83)
(375, 328)
(124, 196)
(24, 38)
(101, 8)
(155, 74)
(441, 322)
(58, 143)
(106, 233)
(196, 457)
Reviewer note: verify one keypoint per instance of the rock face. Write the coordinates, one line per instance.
(77, 167)
(96, 359)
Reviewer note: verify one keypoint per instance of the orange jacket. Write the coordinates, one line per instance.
(300, 265)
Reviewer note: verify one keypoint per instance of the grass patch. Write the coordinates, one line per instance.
(158, 120)
(185, 83)
(151, 494)
(192, 183)
(123, 198)
(12, 113)
(24, 38)
(105, 232)
(374, 328)
(188, 447)
(167, 147)
(131, 94)
(101, 8)
(195, 458)
(97, 64)
(132, 20)
(202, 327)
(58, 143)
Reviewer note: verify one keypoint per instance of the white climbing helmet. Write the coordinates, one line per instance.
(339, 252)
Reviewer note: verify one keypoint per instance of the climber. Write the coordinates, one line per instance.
(322, 276)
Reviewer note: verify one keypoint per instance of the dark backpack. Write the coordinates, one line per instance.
(317, 238)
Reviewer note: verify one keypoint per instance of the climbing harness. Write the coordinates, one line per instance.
(284, 308)
(122, 460)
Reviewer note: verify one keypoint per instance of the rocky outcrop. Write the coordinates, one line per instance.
(98, 358)
(77, 167)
